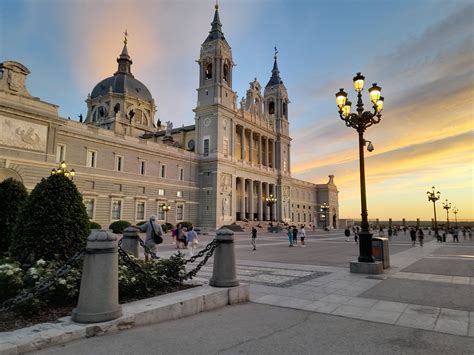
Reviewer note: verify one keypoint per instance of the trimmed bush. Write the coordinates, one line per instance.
(13, 195)
(185, 224)
(119, 226)
(52, 225)
(94, 225)
(167, 227)
(140, 223)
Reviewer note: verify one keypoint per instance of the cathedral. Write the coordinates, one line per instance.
(233, 165)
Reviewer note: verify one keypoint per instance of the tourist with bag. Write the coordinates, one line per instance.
(192, 239)
(154, 235)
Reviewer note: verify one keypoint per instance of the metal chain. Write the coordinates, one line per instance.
(43, 286)
(201, 253)
(147, 250)
(210, 248)
(128, 260)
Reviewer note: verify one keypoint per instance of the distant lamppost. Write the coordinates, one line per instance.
(447, 207)
(165, 208)
(62, 169)
(271, 200)
(324, 210)
(360, 121)
(455, 211)
(433, 197)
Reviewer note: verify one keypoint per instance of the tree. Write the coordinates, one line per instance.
(53, 224)
(12, 196)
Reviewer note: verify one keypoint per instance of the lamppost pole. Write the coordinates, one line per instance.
(447, 207)
(360, 121)
(455, 211)
(433, 197)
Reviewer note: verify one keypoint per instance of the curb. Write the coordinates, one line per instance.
(147, 311)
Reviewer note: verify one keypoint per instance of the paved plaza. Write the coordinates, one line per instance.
(305, 300)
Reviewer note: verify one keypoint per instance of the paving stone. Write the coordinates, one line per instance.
(453, 314)
(361, 302)
(416, 321)
(425, 311)
(350, 311)
(336, 299)
(388, 306)
(381, 316)
(321, 307)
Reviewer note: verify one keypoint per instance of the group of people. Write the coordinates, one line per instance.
(182, 237)
(293, 234)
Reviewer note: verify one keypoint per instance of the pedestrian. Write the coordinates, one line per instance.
(413, 236)
(254, 238)
(192, 239)
(456, 235)
(347, 233)
(302, 236)
(382, 234)
(295, 236)
(356, 234)
(151, 227)
(290, 236)
(421, 236)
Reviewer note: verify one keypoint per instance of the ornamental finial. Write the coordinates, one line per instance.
(125, 37)
(217, 5)
(276, 53)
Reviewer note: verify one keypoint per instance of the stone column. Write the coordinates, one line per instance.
(130, 241)
(251, 201)
(274, 156)
(259, 201)
(267, 156)
(242, 146)
(251, 147)
(224, 272)
(98, 295)
(267, 209)
(242, 201)
(260, 151)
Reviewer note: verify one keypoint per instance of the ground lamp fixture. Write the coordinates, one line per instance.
(433, 197)
(360, 121)
(62, 169)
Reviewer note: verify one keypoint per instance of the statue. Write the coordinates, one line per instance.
(169, 127)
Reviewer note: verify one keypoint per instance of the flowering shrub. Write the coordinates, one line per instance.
(11, 279)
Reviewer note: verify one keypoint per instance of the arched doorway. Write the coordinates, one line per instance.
(9, 173)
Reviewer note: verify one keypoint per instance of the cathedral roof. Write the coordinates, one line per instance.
(275, 79)
(122, 82)
(216, 29)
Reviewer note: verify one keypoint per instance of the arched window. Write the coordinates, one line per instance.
(209, 71)
(284, 109)
(271, 108)
(226, 72)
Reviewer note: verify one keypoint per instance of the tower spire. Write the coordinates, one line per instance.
(275, 78)
(216, 27)
(124, 61)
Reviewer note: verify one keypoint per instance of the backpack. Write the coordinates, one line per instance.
(157, 238)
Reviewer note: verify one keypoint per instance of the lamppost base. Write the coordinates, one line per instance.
(374, 268)
(365, 248)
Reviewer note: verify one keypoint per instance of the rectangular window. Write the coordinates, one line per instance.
(161, 192)
(140, 211)
(90, 204)
(206, 146)
(60, 153)
(226, 147)
(179, 193)
(118, 163)
(179, 212)
(116, 209)
(181, 174)
(163, 171)
(142, 167)
(161, 213)
(91, 159)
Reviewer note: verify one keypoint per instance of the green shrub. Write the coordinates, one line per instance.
(140, 223)
(119, 226)
(53, 223)
(94, 225)
(11, 279)
(13, 195)
(167, 227)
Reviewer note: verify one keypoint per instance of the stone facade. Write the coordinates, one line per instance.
(216, 172)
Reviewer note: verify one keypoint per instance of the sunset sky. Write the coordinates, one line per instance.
(421, 52)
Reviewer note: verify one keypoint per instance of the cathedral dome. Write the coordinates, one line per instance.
(122, 82)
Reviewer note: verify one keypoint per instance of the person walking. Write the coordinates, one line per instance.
(150, 228)
(290, 236)
(295, 236)
(192, 238)
(356, 234)
(455, 235)
(347, 233)
(413, 236)
(302, 236)
(254, 238)
(421, 236)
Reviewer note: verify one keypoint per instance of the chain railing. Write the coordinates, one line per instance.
(42, 286)
(209, 249)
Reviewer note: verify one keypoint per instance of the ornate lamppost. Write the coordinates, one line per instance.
(433, 197)
(455, 211)
(360, 121)
(447, 207)
(271, 200)
(324, 210)
(165, 208)
(62, 169)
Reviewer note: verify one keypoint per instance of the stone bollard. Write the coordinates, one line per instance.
(224, 270)
(98, 295)
(130, 241)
